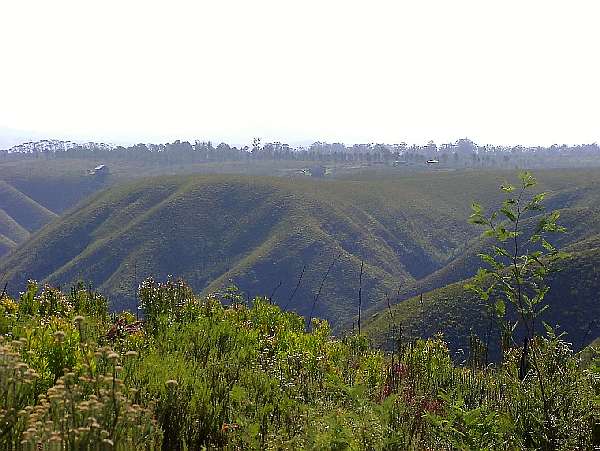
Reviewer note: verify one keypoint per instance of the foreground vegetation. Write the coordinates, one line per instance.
(221, 371)
(213, 371)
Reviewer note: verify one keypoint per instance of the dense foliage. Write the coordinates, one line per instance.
(214, 371)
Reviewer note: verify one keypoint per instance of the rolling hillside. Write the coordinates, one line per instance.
(448, 308)
(22, 209)
(267, 235)
(11, 229)
(6, 245)
(289, 238)
(35, 192)
(574, 301)
(19, 217)
(581, 223)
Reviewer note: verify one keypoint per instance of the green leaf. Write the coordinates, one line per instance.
(527, 179)
(548, 246)
(501, 252)
(509, 213)
(500, 308)
(490, 261)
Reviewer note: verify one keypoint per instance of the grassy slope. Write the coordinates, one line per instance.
(574, 193)
(581, 223)
(258, 232)
(11, 229)
(6, 245)
(19, 216)
(24, 210)
(261, 232)
(573, 298)
(56, 184)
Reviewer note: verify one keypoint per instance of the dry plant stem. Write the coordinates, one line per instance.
(312, 310)
(296, 287)
(362, 264)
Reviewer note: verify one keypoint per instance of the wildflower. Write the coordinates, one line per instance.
(229, 427)
(59, 336)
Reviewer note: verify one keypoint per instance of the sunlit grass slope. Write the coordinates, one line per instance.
(268, 235)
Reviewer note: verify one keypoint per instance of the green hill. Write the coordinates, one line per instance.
(280, 236)
(574, 301)
(24, 210)
(446, 307)
(6, 245)
(19, 216)
(581, 223)
(35, 192)
(56, 184)
(575, 194)
(267, 235)
(11, 229)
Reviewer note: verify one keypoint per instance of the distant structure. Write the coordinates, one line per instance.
(433, 161)
(99, 171)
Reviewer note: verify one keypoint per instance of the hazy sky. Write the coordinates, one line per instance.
(499, 72)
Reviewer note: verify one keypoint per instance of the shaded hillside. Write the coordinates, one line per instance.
(6, 245)
(281, 236)
(11, 229)
(19, 216)
(57, 185)
(574, 300)
(579, 213)
(22, 209)
(581, 223)
(267, 235)
(33, 193)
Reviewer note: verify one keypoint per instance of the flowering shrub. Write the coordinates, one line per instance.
(91, 411)
(17, 388)
(220, 372)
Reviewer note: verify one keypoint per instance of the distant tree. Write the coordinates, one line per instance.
(256, 145)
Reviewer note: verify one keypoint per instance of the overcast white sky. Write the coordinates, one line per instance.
(501, 72)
